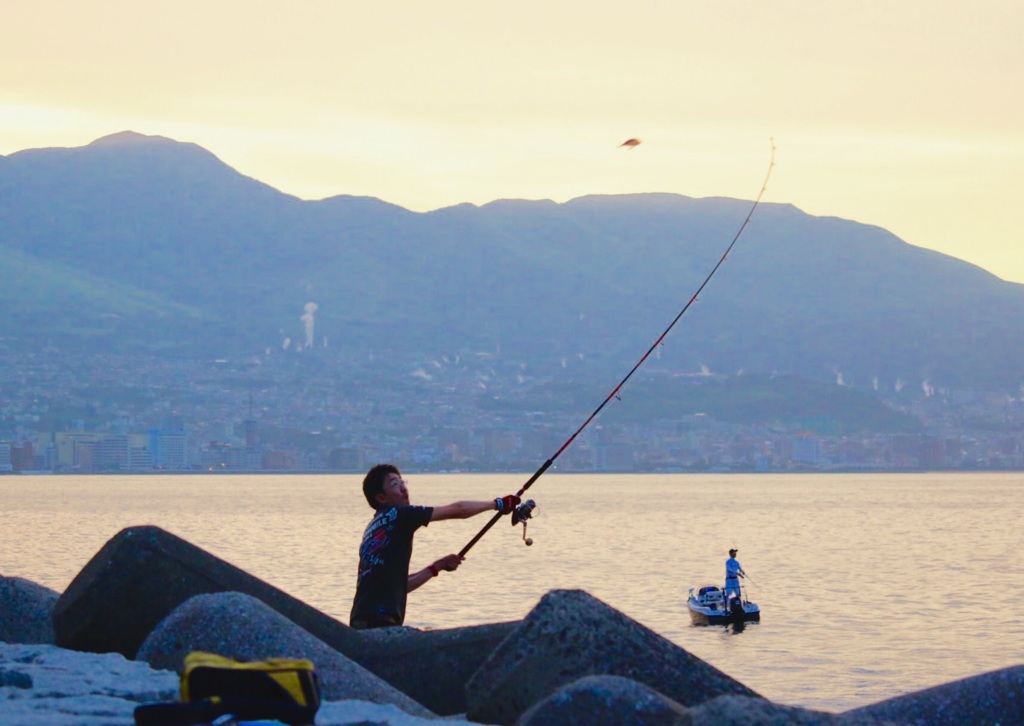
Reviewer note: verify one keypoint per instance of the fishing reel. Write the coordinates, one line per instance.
(525, 511)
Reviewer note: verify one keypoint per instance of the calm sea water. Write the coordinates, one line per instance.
(870, 586)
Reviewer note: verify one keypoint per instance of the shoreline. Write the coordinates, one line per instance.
(44, 685)
(145, 601)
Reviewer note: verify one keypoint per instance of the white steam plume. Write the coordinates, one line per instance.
(307, 320)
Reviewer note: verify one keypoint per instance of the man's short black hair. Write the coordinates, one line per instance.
(373, 482)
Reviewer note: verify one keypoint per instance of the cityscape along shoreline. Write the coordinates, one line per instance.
(110, 414)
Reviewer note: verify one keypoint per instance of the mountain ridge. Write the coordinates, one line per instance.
(538, 283)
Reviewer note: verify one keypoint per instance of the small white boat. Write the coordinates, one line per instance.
(708, 606)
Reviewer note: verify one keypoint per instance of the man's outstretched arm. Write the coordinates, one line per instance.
(466, 509)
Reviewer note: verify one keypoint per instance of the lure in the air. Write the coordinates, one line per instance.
(630, 143)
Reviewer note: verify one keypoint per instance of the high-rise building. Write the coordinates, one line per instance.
(22, 456)
(169, 448)
(5, 456)
(112, 453)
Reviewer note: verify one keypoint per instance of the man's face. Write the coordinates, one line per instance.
(395, 493)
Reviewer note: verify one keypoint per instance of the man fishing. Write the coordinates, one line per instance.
(384, 579)
(733, 573)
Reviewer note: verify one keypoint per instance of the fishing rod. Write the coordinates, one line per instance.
(525, 510)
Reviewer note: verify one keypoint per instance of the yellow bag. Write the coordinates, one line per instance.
(292, 680)
(283, 689)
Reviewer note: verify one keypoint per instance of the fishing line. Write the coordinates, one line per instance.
(615, 391)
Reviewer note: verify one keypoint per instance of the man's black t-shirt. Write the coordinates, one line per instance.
(384, 564)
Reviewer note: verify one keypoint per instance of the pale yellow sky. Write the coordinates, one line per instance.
(906, 114)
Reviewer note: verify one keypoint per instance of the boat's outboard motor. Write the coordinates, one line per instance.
(736, 609)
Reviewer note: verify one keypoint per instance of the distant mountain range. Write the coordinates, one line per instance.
(144, 244)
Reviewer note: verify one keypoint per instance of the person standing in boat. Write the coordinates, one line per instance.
(383, 579)
(733, 573)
